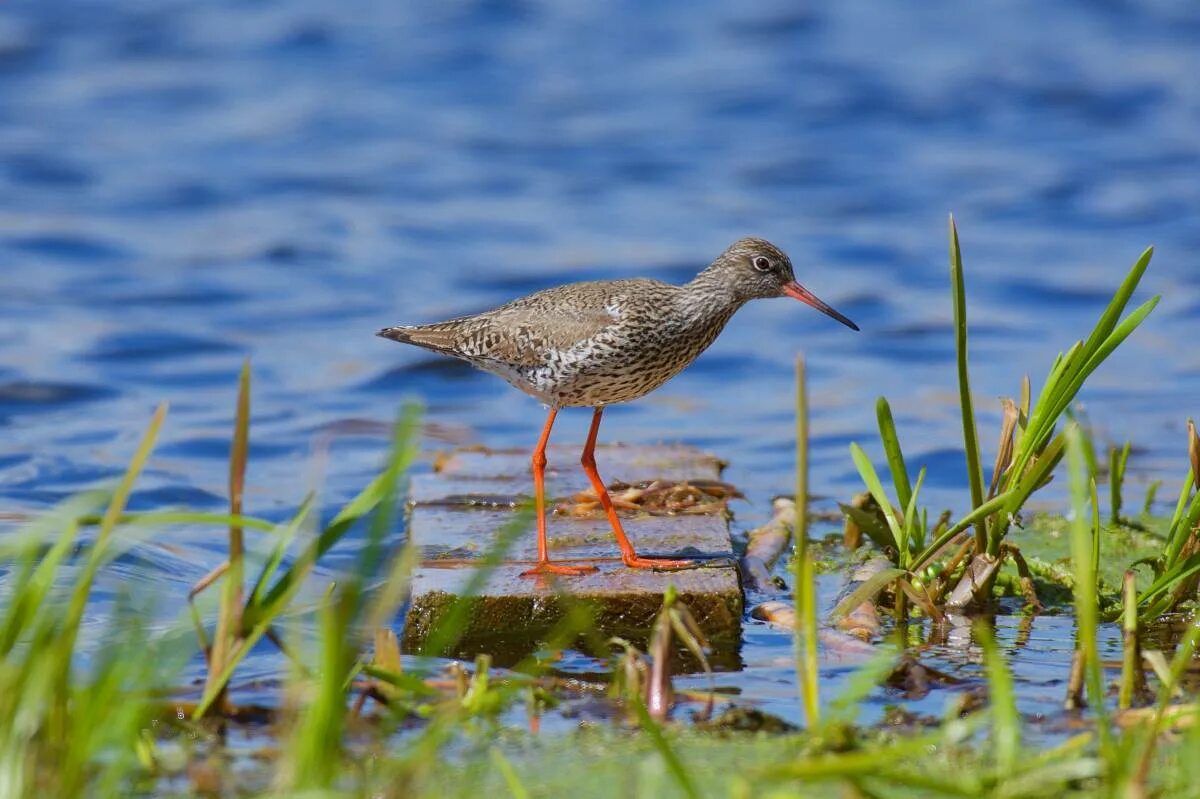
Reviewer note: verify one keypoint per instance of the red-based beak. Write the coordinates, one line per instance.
(794, 289)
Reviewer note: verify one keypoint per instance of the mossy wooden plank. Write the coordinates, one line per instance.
(443, 533)
(456, 512)
(512, 613)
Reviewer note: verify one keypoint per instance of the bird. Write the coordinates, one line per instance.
(598, 343)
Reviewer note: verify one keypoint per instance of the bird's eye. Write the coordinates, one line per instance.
(762, 264)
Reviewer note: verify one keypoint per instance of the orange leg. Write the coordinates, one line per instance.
(628, 554)
(544, 566)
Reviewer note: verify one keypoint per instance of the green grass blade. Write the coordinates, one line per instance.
(1086, 607)
(1118, 459)
(1187, 513)
(229, 614)
(805, 642)
(1072, 382)
(914, 530)
(405, 438)
(1036, 429)
(800, 525)
(855, 763)
(287, 534)
(1116, 306)
(1105, 336)
(891, 448)
(1169, 578)
(174, 517)
(25, 602)
(508, 773)
(1036, 476)
(239, 452)
(670, 758)
(1095, 530)
(970, 433)
(871, 479)
(108, 523)
(1070, 371)
(263, 608)
(804, 639)
(350, 514)
(1006, 721)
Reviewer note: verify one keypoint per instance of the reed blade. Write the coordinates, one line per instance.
(1006, 721)
(1117, 461)
(804, 577)
(970, 432)
(1086, 607)
(228, 630)
(866, 470)
(891, 448)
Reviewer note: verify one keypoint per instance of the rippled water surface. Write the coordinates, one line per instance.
(184, 184)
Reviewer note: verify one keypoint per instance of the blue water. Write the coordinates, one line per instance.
(185, 184)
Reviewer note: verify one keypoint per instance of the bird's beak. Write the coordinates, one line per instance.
(794, 289)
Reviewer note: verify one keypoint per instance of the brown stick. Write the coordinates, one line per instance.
(208, 579)
(1075, 700)
(765, 545)
(1024, 577)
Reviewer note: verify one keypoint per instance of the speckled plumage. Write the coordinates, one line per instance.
(603, 342)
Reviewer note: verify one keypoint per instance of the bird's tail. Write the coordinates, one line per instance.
(428, 336)
(401, 334)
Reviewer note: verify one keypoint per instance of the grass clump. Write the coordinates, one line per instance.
(58, 726)
(1032, 443)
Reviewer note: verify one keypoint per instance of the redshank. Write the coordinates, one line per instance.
(598, 343)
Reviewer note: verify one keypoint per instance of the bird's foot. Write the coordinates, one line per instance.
(661, 564)
(546, 567)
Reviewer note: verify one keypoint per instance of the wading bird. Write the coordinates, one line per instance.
(598, 343)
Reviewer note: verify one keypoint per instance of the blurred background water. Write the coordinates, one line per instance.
(185, 184)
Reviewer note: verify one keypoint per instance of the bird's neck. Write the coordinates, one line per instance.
(709, 294)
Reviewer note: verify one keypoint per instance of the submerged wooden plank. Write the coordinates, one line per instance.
(504, 475)
(456, 515)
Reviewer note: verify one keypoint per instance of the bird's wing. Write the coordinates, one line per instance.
(524, 332)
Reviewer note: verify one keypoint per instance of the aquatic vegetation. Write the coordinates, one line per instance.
(803, 574)
(1177, 569)
(57, 725)
(1032, 443)
(243, 620)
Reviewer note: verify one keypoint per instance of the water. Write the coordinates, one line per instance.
(185, 184)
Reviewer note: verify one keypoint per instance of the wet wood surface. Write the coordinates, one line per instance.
(458, 514)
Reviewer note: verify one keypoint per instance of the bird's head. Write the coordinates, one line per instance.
(757, 269)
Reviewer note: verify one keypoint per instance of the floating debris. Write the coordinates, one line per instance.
(655, 497)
